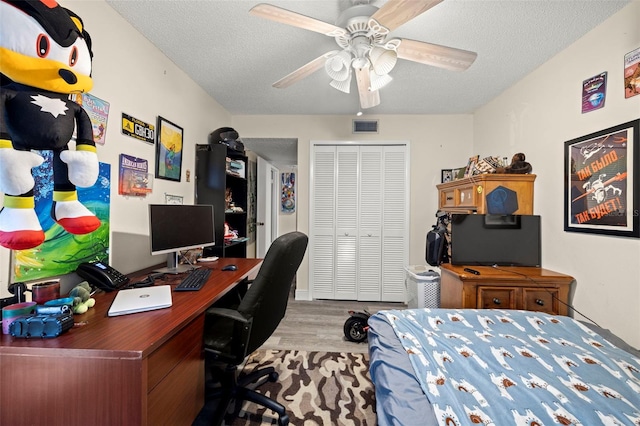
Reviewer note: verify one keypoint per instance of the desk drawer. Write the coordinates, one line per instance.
(172, 352)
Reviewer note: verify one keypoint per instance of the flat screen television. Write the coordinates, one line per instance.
(502, 240)
(174, 228)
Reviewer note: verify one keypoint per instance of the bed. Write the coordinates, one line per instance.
(497, 367)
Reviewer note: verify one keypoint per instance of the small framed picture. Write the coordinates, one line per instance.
(168, 150)
(172, 199)
(446, 175)
(471, 165)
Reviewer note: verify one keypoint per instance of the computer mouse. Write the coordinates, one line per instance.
(230, 268)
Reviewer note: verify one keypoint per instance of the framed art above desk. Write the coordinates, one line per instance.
(138, 369)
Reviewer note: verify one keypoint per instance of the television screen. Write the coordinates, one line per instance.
(502, 240)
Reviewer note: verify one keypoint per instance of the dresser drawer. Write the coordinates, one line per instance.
(466, 196)
(540, 299)
(496, 298)
(447, 198)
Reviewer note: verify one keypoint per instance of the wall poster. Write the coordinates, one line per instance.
(288, 192)
(169, 150)
(601, 190)
(62, 252)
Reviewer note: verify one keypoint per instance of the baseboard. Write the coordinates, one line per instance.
(302, 295)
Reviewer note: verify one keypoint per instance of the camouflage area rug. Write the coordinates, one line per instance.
(317, 388)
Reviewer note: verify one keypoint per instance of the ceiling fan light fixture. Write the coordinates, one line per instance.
(343, 85)
(382, 60)
(337, 66)
(379, 81)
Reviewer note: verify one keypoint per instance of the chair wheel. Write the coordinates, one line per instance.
(273, 376)
(283, 420)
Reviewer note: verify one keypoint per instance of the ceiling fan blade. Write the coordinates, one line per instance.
(288, 17)
(304, 71)
(436, 55)
(394, 13)
(368, 98)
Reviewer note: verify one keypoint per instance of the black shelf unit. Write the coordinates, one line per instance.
(212, 182)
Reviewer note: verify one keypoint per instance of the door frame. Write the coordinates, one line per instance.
(267, 206)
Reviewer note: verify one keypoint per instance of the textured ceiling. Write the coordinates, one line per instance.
(236, 57)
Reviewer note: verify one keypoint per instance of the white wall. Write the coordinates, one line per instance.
(536, 116)
(136, 78)
(436, 142)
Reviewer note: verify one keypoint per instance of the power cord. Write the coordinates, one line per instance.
(553, 296)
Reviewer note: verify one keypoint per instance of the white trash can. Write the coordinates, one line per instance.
(423, 287)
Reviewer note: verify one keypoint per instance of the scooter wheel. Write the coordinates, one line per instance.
(354, 329)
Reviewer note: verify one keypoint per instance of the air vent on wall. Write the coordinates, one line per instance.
(365, 126)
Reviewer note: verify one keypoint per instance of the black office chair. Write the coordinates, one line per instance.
(233, 333)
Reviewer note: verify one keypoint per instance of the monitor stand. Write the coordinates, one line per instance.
(173, 267)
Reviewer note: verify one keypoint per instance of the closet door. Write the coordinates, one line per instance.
(370, 224)
(322, 226)
(395, 222)
(359, 219)
(346, 253)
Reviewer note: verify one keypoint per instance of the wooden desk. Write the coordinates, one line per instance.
(138, 369)
(506, 287)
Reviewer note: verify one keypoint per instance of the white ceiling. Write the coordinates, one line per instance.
(235, 56)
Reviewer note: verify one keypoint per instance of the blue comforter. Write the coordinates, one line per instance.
(517, 367)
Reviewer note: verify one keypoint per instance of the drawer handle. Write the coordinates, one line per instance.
(449, 198)
(496, 301)
(540, 302)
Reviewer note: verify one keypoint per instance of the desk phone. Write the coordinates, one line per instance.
(101, 275)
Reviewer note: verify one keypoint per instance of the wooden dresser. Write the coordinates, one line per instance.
(506, 287)
(469, 195)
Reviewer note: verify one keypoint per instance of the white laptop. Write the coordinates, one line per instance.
(142, 299)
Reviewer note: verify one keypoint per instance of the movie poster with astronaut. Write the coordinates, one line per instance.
(600, 190)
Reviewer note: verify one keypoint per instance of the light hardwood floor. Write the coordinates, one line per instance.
(318, 325)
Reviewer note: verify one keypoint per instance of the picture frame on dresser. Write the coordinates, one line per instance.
(470, 165)
(446, 175)
(601, 190)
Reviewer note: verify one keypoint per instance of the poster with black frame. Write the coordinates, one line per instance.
(600, 187)
(169, 150)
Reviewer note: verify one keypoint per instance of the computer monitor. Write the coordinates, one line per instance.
(502, 240)
(174, 228)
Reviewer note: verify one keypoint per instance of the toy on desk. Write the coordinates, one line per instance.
(82, 299)
(46, 56)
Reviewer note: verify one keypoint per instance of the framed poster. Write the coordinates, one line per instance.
(601, 190)
(168, 150)
(471, 165)
(288, 197)
(62, 252)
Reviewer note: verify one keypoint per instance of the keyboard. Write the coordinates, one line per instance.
(194, 281)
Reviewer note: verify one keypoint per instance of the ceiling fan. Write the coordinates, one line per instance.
(361, 32)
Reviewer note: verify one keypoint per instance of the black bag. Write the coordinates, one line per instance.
(437, 245)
